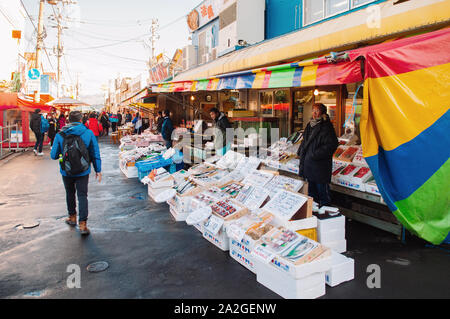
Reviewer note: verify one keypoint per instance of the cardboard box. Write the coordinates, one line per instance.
(342, 270)
(238, 212)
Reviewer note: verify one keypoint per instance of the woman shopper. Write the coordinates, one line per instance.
(61, 121)
(137, 121)
(167, 129)
(105, 123)
(94, 125)
(316, 152)
(52, 127)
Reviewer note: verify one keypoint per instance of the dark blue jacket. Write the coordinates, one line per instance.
(89, 140)
(167, 129)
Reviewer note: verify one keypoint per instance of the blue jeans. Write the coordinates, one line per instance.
(320, 193)
(78, 185)
(39, 141)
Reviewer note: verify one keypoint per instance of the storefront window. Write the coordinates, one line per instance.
(357, 3)
(313, 11)
(303, 101)
(281, 109)
(329, 99)
(351, 89)
(14, 117)
(266, 103)
(333, 7)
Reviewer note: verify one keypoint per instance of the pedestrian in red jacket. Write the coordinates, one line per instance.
(94, 125)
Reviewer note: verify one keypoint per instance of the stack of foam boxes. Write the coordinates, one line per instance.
(342, 269)
(290, 281)
(331, 231)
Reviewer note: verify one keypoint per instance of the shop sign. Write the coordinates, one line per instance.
(208, 10)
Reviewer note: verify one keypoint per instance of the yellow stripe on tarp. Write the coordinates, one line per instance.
(259, 80)
(309, 75)
(214, 84)
(403, 106)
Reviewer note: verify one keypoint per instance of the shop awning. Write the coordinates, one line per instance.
(330, 70)
(16, 101)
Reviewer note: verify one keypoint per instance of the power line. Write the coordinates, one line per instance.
(35, 29)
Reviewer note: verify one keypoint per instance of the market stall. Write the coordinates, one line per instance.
(16, 109)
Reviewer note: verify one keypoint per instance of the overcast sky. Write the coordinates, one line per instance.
(109, 38)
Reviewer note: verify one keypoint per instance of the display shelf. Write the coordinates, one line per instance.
(355, 193)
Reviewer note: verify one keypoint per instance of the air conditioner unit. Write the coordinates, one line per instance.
(189, 57)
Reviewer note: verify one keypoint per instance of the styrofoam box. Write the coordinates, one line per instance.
(129, 171)
(321, 264)
(334, 235)
(309, 287)
(244, 259)
(330, 224)
(339, 246)
(178, 217)
(342, 270)
(294, 225)
(198, 227)
(220, 240)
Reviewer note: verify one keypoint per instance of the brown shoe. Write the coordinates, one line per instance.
(83, 228)
(72, 220)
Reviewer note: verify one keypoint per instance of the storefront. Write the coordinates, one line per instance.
(16, 111)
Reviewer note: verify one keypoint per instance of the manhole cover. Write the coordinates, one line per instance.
(30, 224)
(97, 266)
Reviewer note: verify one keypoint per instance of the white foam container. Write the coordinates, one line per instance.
(309, 287)
(220, 240)
(333, 235)
(339, 246)
(342, 270)
(238, 254)
(177, 216)
(330, 224)
(129, 171)
(294, 225)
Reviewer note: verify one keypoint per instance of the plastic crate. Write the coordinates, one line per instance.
(311, 233)
(145, 167)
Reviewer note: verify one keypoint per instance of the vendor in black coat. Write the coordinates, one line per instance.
(316, 153)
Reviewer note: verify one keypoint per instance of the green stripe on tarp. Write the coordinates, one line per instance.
(282, 78)
(202, 85)
(426, 212)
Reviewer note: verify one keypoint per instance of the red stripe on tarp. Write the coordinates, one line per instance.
(266, 81)
(405, 55)
(340, 73)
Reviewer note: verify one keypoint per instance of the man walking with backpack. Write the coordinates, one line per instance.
(76, 148)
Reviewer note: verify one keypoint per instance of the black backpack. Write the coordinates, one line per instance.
(75, 155)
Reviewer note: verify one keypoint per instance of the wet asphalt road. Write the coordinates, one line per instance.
(152, 256)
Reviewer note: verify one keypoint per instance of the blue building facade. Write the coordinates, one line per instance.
(284, 16)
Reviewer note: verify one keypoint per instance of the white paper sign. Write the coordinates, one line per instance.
(263, 254)
(213, 224)
(285, 204)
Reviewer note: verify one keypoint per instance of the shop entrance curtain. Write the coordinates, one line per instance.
(405, 129)
(14, 101)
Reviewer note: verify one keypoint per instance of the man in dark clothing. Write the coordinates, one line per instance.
(316, 153)
(119, 117)
(78, 183)
(167, 129)
(159, 122)
(105, 123)
(221, 125)
(35, 125)
(128, 117)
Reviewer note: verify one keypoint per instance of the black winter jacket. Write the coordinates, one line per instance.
(35, 123)
(316, 152)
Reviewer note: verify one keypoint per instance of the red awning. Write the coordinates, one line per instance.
(14, 101)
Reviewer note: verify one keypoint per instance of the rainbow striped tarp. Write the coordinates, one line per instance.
(301, 74)
(405, 129)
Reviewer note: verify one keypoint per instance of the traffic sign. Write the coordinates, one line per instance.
(34, 74)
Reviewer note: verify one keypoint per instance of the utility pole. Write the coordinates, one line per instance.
(40, 44)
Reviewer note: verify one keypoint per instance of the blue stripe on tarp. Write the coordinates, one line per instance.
(297, 81)
(228, 83)
(400, 172)
(245, 81)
